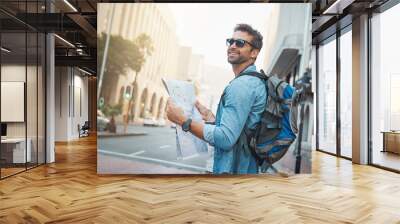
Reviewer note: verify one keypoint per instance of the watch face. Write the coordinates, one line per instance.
(186, 125)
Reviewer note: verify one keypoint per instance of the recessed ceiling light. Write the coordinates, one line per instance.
(5, 50)
(86, 72)
(64, 40)
(70, 5)
(338, 6)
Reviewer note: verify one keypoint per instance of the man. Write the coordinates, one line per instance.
(241, 107)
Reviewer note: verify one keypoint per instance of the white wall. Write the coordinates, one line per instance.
(16, 73)
(71, 103)
(33, 125)
(79, 117)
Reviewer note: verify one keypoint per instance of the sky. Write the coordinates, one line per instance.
(205, 27)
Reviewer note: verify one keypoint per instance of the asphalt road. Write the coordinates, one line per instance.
(156, 153)
(158, 147)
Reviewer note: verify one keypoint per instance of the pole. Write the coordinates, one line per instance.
(103, 64)
(299, 140)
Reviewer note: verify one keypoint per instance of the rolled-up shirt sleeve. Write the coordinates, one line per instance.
(239, 98)
(208, 133)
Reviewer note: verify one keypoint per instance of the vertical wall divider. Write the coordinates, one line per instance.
(338, 94)
(44, 79)
(369, 80)
(1, 166)
(60, 86)
(69, 92)
(26, 86)
(37, 91)
(73, 93)
(316, 96)
(80, 103)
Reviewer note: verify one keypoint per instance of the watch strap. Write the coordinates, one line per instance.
(186, 125)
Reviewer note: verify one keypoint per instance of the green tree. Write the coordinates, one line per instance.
(145, 46)
(111, 111)
(123, 56)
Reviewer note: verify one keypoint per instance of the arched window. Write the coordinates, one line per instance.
(121, 95)
(128, 92)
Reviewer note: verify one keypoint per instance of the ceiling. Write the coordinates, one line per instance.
(331, 15)
(75, 21)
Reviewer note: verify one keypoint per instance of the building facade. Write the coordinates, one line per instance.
(129, 21)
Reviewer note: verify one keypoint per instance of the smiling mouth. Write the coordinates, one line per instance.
(232, 53)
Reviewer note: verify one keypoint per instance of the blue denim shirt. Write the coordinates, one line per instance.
(245, 99)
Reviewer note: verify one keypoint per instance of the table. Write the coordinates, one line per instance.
(16, 148)
(391, 141)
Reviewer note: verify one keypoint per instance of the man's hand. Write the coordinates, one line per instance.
(206, 114)
(175, 113)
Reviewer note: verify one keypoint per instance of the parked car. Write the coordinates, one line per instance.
(150, 122)
(102, 121)
(161, 122)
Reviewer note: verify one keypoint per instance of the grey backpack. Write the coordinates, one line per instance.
(277, 129)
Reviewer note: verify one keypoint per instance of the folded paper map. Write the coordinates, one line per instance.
(183, 95)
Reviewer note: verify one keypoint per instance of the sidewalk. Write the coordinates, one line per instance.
(132, 130)
(109, 134)
(107, 164)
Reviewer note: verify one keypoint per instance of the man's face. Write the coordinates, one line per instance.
(239, 55)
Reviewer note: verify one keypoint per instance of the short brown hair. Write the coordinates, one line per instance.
(257, 37)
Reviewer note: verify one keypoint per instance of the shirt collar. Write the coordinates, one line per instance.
(250, 68)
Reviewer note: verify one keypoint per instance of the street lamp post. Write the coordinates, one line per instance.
(103, 64)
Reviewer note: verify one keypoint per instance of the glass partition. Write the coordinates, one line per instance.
(22, 101)
(14, 151)
(385, 89)
(327, 96)
(346, 94)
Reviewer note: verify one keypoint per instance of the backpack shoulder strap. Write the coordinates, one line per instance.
(259, 75)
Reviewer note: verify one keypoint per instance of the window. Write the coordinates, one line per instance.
(121, 95)
(346, 94)
(327, 97)
(128, 92)
(22, 64)
(385, 88)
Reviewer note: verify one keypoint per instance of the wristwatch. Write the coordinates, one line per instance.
(186, 125)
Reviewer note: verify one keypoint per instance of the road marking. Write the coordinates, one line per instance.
(136, 153)
(189, 157)
(164, 146)
(159, 161)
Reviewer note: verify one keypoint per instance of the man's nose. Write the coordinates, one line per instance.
(233, 45)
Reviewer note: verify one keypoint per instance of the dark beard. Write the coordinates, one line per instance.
(239, 60)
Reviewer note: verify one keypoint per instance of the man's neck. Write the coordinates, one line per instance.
(238, 68)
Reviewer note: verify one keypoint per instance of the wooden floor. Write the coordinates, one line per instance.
(387, 159)
(70, 191)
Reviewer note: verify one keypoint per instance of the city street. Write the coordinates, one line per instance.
(152, 153)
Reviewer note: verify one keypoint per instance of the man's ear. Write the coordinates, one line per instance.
(254, 53)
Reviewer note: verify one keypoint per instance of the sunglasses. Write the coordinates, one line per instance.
(238, 42)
